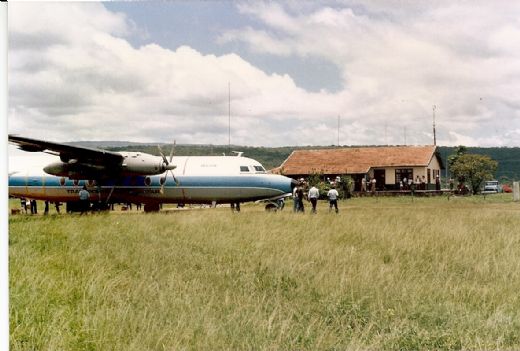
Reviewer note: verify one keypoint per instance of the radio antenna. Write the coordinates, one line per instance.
(229, 117)
(434, 136)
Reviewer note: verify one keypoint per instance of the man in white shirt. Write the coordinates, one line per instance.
(333, 199)
(313, 196)
(84, 198)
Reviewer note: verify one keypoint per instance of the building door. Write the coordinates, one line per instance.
(379, 175)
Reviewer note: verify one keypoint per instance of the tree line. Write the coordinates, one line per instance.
(507, 158)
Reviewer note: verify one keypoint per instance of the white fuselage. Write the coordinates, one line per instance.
(198, 179)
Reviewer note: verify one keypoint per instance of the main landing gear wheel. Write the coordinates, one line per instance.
(271, 208)
(152, 207)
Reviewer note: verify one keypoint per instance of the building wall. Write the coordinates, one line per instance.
(390, 175)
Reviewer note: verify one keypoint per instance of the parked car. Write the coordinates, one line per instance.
(507, 189)
(492, 187)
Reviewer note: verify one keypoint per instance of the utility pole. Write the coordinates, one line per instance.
(386, 134)
(338, 130)
(434, 136)
(229, 117)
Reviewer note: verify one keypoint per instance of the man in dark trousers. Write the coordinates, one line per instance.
(84, 198)
(34, 207)
(300, 195)
(313, 196)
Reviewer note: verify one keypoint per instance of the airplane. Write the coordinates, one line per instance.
(137, 177)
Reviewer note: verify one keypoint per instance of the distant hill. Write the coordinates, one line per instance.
(508, 158)
(105, 144)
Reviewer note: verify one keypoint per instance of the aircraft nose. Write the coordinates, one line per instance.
(287, 184)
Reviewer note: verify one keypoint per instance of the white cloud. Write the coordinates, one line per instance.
(73, 75)
(397, 65)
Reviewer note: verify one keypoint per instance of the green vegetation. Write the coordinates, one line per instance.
(386, 273)
(472, 169)
(508, 159)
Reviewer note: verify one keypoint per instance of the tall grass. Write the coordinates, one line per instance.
(383, 274)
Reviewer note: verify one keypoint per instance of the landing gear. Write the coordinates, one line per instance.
(235, 206)
(271, 207)
(152, 207)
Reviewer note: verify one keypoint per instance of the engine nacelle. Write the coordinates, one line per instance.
(136, 163)
(74, 170)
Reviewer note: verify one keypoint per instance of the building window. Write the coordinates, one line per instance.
(429, 176)
(402, 173)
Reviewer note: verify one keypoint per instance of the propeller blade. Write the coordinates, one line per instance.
(163, 181)
(168, 166)
(172, 152)
(174, 179)
(162, 155)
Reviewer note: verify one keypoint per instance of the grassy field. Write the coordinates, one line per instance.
(386, 273)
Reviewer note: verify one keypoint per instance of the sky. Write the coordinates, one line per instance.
(283, 73)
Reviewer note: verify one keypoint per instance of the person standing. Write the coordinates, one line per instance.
(23, 203)
(363, 185)
(373, 186)
(437, 183)
(295, 198)
(34, 207)
(46, 210)
(84, 198)
(300, 195)
(57, 204)
(333, 199)
(313, 196)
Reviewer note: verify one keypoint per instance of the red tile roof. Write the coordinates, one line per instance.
(356, 160)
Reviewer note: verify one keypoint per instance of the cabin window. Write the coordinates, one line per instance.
(244, 169)
(402, 173)
(259, 169)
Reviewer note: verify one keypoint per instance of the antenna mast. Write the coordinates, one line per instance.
(434, 136)
(229, 117)
(338, 130)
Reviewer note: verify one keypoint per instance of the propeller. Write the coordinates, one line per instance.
(167, 166)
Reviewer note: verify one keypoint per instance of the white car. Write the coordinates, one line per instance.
(492, 187)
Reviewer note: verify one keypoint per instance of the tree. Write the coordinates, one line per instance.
(461, 150)
(473, 169)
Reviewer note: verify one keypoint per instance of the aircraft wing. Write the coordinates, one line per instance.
(67, 152)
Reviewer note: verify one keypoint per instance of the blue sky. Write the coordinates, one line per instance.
(155, 71)
(199, 25)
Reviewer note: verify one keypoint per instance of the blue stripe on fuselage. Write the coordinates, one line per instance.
(253, 181)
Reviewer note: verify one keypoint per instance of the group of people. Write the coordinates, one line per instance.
(313, 195)
(367, 185)
(33, 206)
(419, 184)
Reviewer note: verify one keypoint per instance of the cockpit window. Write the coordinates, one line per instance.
(259, 169)
(244, 169)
